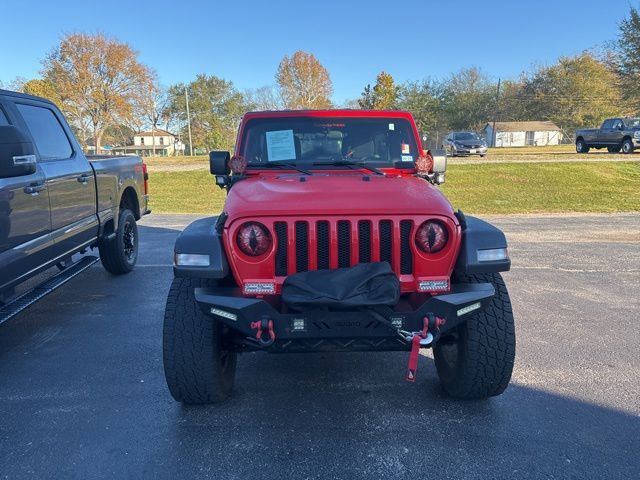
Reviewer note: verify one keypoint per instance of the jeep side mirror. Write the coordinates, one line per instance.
(439, 165)
(17, 153)
(219, 163)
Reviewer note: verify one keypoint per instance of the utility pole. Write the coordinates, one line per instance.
(186, 97)
(153, 128)
(495, 113)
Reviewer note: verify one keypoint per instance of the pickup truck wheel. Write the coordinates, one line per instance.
(581, 146)
(120, 254)
(613, 149)
(476, 360)
(197, 367)
(627, 146)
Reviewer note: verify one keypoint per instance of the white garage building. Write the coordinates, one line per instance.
(522, 134)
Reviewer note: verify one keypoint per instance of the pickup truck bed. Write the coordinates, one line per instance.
(55, 201)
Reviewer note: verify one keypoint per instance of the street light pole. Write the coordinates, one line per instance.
(186, 97)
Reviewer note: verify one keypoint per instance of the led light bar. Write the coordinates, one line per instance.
(492, 255)
(224, 314)
(191, 260)
(255, 288)
(433, 285)
(469, 309)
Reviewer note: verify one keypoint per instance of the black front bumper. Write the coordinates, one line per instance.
(336, 329)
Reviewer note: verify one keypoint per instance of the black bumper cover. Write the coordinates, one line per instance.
(340, 329)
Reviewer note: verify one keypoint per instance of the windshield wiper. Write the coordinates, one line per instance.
(349, 164)
(277, 164)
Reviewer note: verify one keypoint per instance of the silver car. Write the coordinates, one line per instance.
(465, 143)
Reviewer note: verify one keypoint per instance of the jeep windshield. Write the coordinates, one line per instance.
(329, 142)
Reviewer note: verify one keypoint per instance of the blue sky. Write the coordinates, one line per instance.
(243, 40)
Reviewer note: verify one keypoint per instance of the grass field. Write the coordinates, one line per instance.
(486, 188)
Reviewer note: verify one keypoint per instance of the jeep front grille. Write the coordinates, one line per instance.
(324, 244)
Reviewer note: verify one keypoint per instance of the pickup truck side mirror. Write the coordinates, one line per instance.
(17, 153)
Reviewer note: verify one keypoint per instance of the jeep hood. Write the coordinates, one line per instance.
(334, 194)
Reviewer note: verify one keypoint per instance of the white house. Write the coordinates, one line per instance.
(143, 144)
(521, 134)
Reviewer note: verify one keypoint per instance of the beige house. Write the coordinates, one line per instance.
(165, 144)
(522, 134)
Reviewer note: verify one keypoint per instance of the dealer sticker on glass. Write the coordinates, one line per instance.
(280, 145)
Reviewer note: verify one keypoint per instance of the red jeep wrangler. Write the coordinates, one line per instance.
(334, 237)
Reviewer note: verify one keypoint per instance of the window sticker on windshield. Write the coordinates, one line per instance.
(392, 126)
(280, 145)
(407, 158)
(406, 149)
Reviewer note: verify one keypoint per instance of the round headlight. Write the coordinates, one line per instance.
(432, 236)
(253, 239)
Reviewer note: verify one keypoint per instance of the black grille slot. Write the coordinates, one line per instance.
(281, 252)
(386, 241)
(406, 257)
(344, 244)
(302, 247)
(322, 233)
(364, 241)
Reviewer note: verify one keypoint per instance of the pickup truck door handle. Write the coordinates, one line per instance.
(84, 178)
(35, 188)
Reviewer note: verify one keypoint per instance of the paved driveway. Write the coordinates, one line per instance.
(82, 392)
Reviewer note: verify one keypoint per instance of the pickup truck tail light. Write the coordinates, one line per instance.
(145, 175)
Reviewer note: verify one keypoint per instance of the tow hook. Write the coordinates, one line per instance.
(423, 338)
(265, 334)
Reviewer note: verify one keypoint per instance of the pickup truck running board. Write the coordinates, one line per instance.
(29, 297)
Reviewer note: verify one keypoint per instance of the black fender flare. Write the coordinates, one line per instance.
(202, 237)
(480, 235)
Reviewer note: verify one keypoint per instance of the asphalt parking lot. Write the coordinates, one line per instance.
(82, 392)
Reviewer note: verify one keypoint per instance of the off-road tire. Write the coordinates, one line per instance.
(120, 254)
(581, 146)
(197, 367)
(613, 149)
(476, 360)
(627, 146)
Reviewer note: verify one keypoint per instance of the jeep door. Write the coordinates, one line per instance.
(25, 223)
(69, 177)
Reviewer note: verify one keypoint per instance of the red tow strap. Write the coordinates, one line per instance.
(412, 368)
(413, 359)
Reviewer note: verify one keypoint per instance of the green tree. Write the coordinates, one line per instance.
(627, 60)
(215, 107)
(468, 99)
(383, 96)
(304, 82)
(422, 99)
(575, 92)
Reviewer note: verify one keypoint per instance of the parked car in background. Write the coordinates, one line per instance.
(55, 202)
(615, 134)
(465, 143)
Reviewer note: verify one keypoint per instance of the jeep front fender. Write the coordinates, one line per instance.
(202, 238)
(478, 235)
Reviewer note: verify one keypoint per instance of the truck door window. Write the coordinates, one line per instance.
(3, 118)
(617, 124)
(607, 124)
(47, 133)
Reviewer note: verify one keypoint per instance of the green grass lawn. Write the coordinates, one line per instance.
(483, 188)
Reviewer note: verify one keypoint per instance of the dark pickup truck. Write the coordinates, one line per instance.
(615, 134)
(56, 202)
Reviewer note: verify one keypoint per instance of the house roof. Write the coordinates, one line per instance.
(157, 133)
(536, 126)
